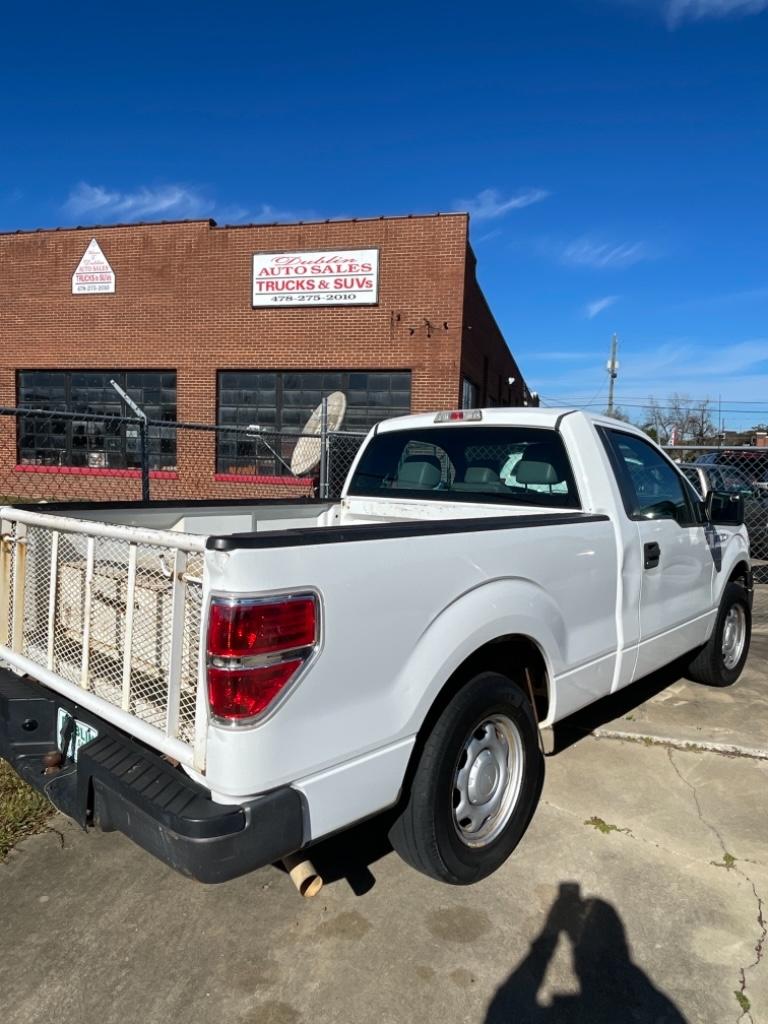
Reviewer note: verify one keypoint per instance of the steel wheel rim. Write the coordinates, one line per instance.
(734, 636)
(487, 780)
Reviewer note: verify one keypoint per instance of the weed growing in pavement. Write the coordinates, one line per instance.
(604, 827)
(727, 862)
(742, 1000)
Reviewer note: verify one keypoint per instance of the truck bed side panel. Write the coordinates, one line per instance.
(400, 615)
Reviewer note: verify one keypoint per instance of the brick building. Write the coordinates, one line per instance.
(234, 325)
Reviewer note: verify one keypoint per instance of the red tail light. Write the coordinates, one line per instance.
(255, 648)
(246, 692)
(243, 629)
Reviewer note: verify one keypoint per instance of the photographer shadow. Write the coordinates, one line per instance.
(613, 989)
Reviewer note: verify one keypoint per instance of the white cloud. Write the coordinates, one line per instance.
(678, 11)
(264, 214)
(489, 204)
(592, 309)
(587, 252)
(267, 214)
(165, 202)
(488, 235)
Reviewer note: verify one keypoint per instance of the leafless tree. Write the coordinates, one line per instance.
(681, 418)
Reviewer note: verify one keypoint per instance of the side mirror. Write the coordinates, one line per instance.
(724, 509)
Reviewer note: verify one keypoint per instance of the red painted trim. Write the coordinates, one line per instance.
(281, 481)
(129, 474)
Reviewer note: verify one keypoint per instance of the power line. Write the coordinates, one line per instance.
(596, 399)
(726, 402)
(709, 398)
(581, 403)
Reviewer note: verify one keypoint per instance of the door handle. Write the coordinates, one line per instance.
(651, 555)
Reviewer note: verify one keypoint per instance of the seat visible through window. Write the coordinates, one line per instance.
(541, 467)
(480, 477)
(419, 472)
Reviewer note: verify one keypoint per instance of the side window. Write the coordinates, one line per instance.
(650, 486)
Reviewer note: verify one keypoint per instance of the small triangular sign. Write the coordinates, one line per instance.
(94, 274)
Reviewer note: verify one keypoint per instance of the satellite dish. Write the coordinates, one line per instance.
(306, 454)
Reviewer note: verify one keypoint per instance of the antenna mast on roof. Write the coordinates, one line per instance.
(613, 371)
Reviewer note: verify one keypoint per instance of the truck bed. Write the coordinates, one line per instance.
(110, 598)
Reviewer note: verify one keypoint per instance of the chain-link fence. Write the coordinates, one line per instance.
(53, 455)
(742, 470)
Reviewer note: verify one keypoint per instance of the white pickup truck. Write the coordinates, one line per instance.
(229, 683)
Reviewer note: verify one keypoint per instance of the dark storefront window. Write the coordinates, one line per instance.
(469, 394)
(283, 402)
(105, 443)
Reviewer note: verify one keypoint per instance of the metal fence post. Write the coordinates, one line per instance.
(324, 449)
(143, 437)
(144, 444)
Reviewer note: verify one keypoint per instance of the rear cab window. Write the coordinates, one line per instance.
(490, 465)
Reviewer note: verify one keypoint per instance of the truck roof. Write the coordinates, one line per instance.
(515, 416)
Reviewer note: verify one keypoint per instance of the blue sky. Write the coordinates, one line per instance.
(613, 153)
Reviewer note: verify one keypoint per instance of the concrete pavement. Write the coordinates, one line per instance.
(677, 711)
(636, 895)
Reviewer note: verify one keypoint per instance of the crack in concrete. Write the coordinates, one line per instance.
(50, 828)
(759, 947)
(650, 842)
(757, 754)
(695, 794)
(740, 993)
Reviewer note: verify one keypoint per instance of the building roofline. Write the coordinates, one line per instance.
(232, 227)
(105, 227)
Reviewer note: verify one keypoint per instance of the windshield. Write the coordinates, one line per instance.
(505, 465)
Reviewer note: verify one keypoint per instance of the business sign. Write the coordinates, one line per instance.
(333, 278)
(94, 274)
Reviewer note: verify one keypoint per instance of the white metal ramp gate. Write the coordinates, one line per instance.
(109, 616)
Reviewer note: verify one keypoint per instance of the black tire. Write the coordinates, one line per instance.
(425, 833)
(708, 664)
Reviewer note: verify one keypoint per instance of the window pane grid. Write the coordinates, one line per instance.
(284, 401)
(107, 443)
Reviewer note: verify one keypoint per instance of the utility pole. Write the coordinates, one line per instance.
(613, 372)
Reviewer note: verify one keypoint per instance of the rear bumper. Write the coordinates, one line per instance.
(118, 783)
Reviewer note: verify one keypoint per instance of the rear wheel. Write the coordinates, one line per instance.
(721, 660)
(475, 786)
